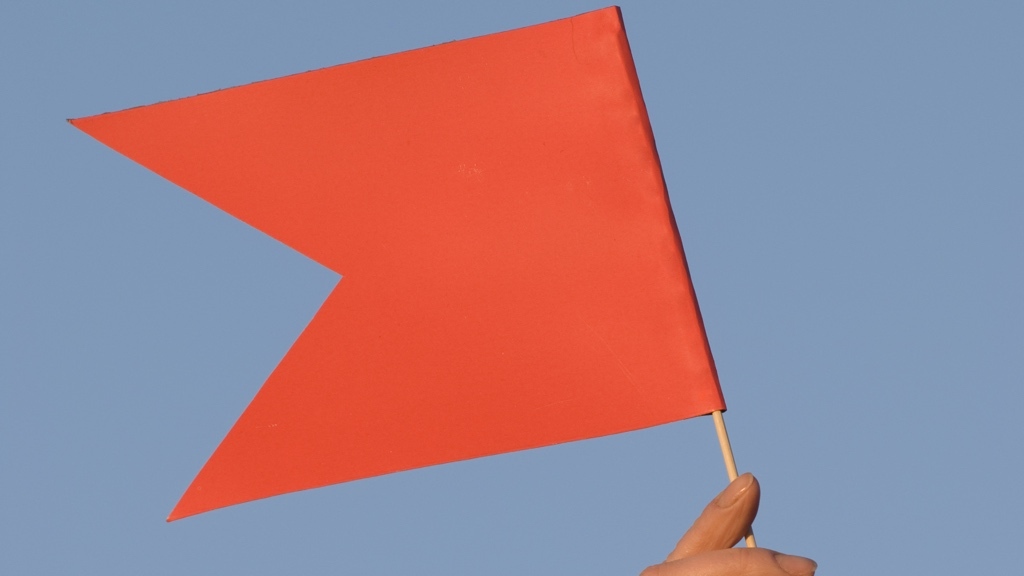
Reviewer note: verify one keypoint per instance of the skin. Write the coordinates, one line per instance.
(707, 547)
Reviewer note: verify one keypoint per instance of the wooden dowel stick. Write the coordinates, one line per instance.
(730, 460)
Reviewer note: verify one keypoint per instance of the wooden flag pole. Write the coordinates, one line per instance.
(730, 461)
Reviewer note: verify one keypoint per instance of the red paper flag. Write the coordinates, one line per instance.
(512, 276)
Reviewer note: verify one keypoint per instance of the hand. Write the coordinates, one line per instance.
(707, 547)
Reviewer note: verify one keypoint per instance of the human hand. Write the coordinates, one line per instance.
(707, 547)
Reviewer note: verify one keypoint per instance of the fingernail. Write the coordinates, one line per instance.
(730, 495)
(796, 565)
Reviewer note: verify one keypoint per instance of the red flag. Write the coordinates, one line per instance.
(512, 276)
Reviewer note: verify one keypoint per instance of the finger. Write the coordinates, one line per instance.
(724, 521)
(736, 562)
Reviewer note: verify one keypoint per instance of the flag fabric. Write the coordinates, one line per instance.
(511, 273)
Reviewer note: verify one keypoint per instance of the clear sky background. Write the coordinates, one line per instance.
(849, 184)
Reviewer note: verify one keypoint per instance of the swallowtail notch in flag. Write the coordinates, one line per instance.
(512, 276)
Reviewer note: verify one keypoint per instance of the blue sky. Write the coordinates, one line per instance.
(849, 185)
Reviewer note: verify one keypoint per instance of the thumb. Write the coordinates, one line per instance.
(724, 521)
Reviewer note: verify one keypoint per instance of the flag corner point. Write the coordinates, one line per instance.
(177, 514)
(180, 511)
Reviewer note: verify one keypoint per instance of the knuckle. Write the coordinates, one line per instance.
(757, 559)
(652, 571)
